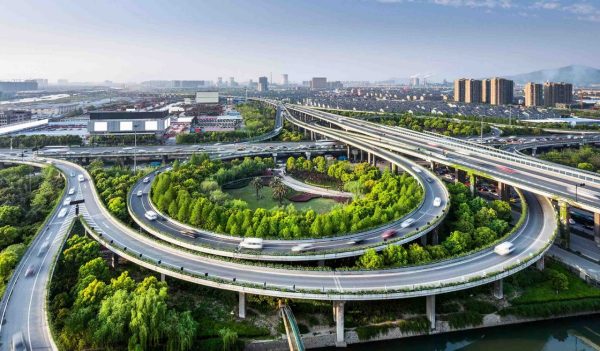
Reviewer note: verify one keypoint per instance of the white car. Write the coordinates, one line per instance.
(302, 247)
(80, 178)
(146, 180)
(67, 201)
(139, 193)
(437, 202)
(71, 191)
(504, 249)
(251, 243)
(407, 223)
(151, 215)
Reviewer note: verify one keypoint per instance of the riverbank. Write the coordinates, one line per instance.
(327, 338)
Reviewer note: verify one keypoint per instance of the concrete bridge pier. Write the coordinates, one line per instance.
(432, 165)
(424, 239)
(165, 159)
(374, 159)
(242, 305)
(533, 151)
(362, 155)
(541, 263)
(472, 183)
(435, 236)
(460, 176)
(430, 310)
(348, 152)
(114, 260)
(308, 154)
(394, 168)
(564, 225)
(354, 155)
(312, 135)
(597, 228)
(499, 289)
(369, 156)
(338, 314)
(503, 191)
(274, 157)
(162, 277)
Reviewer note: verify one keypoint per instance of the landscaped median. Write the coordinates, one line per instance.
(286, 255)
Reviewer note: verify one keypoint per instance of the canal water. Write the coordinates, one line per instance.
(569, 334)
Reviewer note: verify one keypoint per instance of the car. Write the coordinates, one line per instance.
(17, 342)
(151, 215)
(388, 234)
(504, 248)
(146, 180)
(190, 233)
(302, 247)
(407, 223)
(416, 169)
(72, 174)
(71, 191)
(30, 271)
(43, 248)
(67, 201)
(251, 243)
(139, 193)
(429, 180)
(80, 178)
(355, 241)
(437, 202)
(62, 213)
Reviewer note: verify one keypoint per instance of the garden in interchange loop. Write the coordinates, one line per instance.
(193, 193)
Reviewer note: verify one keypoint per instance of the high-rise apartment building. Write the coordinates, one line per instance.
(472, 91)
(486, 91)
(557, 93)
(534, 94)
(263, 84)
(459, 90)
(318, 83)
(414, 81)
(284, 79)
(501, 92)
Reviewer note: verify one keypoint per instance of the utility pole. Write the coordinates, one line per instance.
(134, 151)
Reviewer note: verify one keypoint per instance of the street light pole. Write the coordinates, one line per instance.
(134, 151)
(481, 130)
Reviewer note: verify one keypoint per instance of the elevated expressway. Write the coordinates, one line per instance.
(560, 183)
(531, 240)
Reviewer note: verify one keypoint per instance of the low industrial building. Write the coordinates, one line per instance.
(155, 122)
(14, 116)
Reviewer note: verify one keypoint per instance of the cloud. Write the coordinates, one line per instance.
(584, 10)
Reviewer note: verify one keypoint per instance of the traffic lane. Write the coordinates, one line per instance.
(25, 311)
(422, 216)
(281, 278)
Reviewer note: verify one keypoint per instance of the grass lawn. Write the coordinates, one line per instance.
(542, 291)
(248, 194)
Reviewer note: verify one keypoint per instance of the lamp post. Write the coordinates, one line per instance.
(576, 187)
(134, 151)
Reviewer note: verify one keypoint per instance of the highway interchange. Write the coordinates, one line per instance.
(531, 240)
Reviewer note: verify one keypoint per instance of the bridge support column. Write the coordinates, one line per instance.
(499, 289)
(354, 155)
(165, 159)
(424, 239)
(338, 312)
(472, 183)
(597, 228)
(533, 151)
(565, 226)
(541, 263)
(435, 236)
(305, 131)
(430, 310)
(503, 191)
(312, 135)
(114, 260)
(394, 168)
(432, 165)
(369, 157)
(162, 277)
(348, 152)
(374, 159)
(242, 305)
(362, 155)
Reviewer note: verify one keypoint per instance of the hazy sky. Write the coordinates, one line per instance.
(94, 40)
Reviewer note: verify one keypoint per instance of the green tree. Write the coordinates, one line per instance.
(257, 184)
(417, 254)
(370, 260)
(279, 190)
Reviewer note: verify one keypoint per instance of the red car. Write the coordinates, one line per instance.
(388, 234)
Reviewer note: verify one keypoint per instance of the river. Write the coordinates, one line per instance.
(569, 334)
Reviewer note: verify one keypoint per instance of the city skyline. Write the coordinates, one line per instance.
(345, 40)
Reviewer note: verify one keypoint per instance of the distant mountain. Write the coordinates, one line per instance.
(575, 74)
